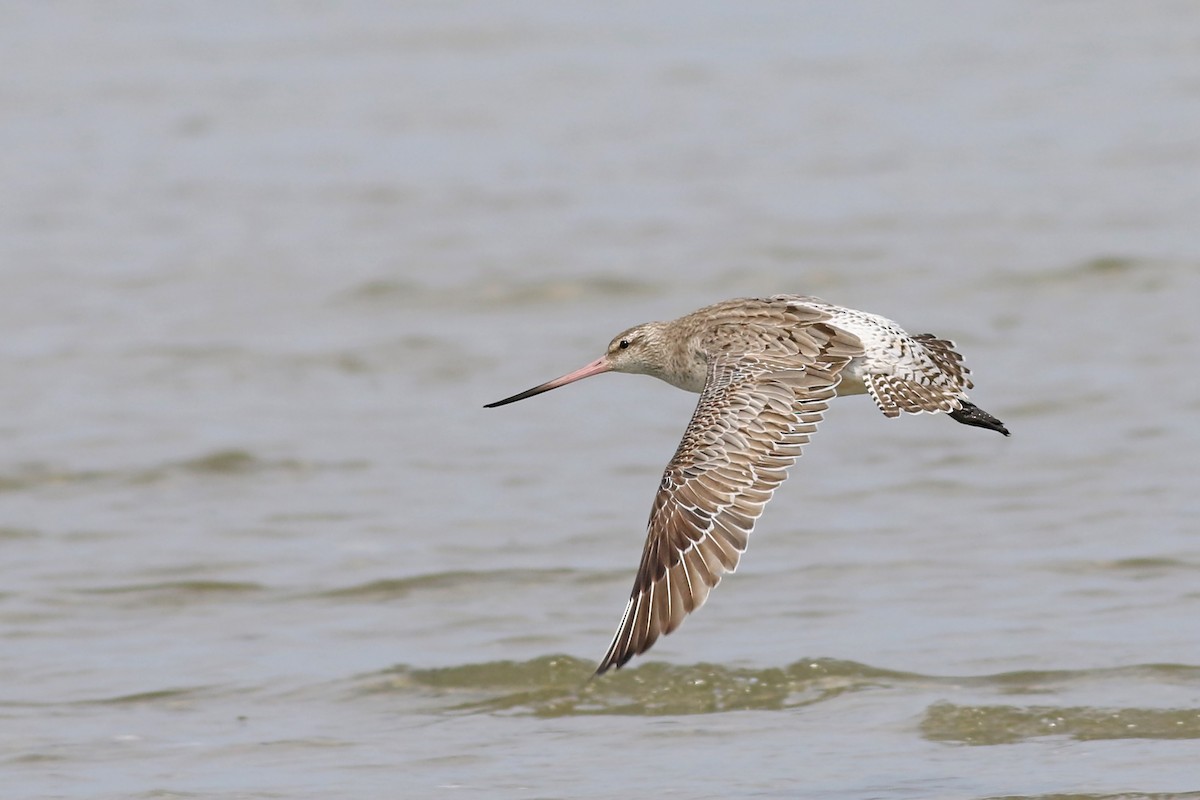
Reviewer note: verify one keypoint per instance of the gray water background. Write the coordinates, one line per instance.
(261, 264)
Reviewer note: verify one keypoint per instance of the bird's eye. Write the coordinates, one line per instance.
(624, 344)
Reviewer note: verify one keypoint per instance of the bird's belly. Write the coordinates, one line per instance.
(852, 379)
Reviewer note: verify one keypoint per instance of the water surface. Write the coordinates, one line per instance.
(260, 269)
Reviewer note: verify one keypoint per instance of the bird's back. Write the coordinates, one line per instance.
(902, 372)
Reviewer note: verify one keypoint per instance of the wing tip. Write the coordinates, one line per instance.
(620, 652)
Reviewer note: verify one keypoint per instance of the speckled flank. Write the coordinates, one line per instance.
(766, 370)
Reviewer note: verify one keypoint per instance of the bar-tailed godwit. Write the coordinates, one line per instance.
(766, 370)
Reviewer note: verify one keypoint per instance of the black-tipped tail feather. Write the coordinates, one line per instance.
(971, 414)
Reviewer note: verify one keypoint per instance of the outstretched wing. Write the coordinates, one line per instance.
(755, 414)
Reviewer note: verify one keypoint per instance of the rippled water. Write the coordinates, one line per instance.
(260, 268)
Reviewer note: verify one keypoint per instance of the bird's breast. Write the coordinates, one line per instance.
(688, 370)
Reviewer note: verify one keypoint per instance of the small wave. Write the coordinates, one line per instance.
(393, 588)
(36, 475)
(233, 462)
(151, 697)
(562, 685)
(401, 293)
(177, 592)
(1138, 274)
(1006, 724)
(9, 533)
(1136, 566)
(226, 462)
(221, 462)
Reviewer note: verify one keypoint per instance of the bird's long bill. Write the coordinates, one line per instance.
(595, 368)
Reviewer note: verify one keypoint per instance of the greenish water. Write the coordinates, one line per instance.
(555, 686)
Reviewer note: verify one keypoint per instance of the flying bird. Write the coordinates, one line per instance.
(765, 369)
